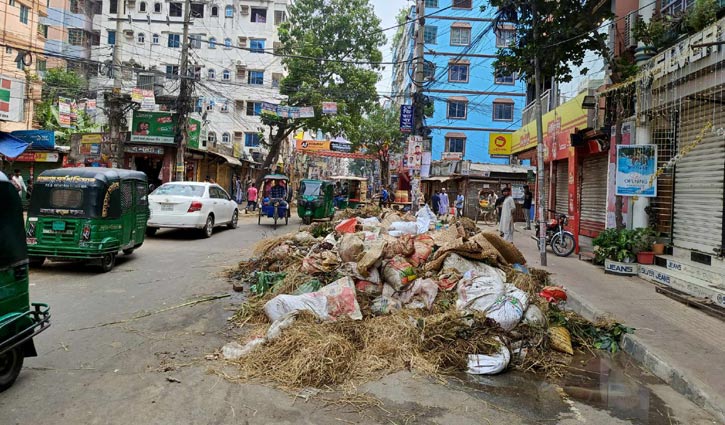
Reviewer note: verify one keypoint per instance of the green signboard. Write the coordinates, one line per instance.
(158, 128)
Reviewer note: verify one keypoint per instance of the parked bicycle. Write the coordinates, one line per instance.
(561, 241)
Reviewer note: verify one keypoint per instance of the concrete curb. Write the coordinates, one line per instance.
(695, 390)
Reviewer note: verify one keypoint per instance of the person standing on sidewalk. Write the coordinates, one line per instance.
(528, 200)
(443, 203)
(435, 201)
(508, 206)
(459, 205)
(19, 183)
(252, 197)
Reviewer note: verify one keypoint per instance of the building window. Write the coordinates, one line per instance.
(172, 71)
(456, 144)
(251, 140)
(276, 79)
(197, 10)
(142, 7)
(8, 50)
(431, 3)
(20, 64)
(111, 38)
(43, 30)
(430, 34)
(458, 73)
(509, 79)
(505, 37)
(211, 74)
(503, 111)
(113, 6)
(255, 77)
(227, 43)
(226, 75)
(175, 10)
(174, 40)
(195, 41)
(457, 109)
(41, 65)
(24, 12)
(256, 45)
(141, 38)
(74, 7)
(460, 36)
(462, 4)
(155, 39)
(225, 107)
(279, 16)
(254, 108)
(211, 137)
(212, 43)
(229, 11)
(157, 7)
(226, 138)
(259, 15)
(11, 2)
(239, 106)
(215, 11)
(75, 37)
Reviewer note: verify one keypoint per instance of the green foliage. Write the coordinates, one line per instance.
(379, 134)
(401, 19)
(565, 31)
(264, 281)
(47, 117)
(659, 33)
(59, 82)
(605, 336)
(321, 229)
(615, 245)
(701, 14)
(644, 237)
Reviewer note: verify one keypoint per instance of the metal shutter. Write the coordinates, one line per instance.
(699, 175)
(594, 195)
(562, 187)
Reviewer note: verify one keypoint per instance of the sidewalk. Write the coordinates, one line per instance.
(679, 344)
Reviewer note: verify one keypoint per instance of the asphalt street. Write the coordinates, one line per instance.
(133, 346)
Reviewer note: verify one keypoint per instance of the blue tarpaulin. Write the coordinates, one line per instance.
(10, 146)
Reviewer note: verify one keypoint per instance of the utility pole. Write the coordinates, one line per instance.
(116, 110)
(539, 144)
(184, 100)
(418, 97)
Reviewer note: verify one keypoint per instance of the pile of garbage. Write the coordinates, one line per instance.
(374, 295)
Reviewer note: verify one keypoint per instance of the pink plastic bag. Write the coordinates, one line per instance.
(347, 226)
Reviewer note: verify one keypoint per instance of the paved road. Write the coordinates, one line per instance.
(99, 365)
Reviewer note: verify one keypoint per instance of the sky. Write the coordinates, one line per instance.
(387, 10)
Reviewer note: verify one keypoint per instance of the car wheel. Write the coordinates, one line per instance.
(10, 365)
(150, 231)
(235, 220)
(36, 261)
(208, 227)
(107, 262)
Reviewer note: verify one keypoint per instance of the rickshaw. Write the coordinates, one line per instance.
(278, 207)
(486, 211)
(315, 200)
(353, 191)
(87, 214)
(20, 321)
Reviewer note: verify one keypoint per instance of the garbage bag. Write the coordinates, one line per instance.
(403, 245)
(481, 364)
(405, 227)
(384, 305)
(347, 226)
(560, 339)
(276, 328)
(424, 218)
(422, 249)
(305, 238)
(480, 291)
(421, 294)
(352, 270)
(307, 287)
(508, 309)
(521, 268)
(463, 265)
(329, 303)
(372, 254)
(448, 279)
(534, 316)
(372, 221)
(553, 294)
(398, 273)
(235, 351)
(320, 262)
(350, 247)
(368, 287)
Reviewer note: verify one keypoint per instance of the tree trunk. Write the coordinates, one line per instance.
(384, 172)
(275, 143)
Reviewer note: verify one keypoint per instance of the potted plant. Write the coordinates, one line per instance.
(644, 237)
(615, 249)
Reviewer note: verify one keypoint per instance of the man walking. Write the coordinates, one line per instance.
(459, 205)
(528, 200)
(19, 183)
(443, 203)
(252, 197)
(508, 206)
(435, 202)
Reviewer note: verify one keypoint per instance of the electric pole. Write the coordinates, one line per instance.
(418, 97)
(539, 145)
(184, 100)
(116, 110)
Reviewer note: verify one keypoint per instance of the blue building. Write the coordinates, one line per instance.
(470, 102)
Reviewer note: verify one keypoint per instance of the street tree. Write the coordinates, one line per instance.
(379, 134)
(59, 82)
(331, 49)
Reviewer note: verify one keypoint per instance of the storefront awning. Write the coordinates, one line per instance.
(230, 159)
(11, 146)
(439, 179)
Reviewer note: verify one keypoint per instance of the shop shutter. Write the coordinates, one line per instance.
(562, 187)
(699, 179)
(593, 214)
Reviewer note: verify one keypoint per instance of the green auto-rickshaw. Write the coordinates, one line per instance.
(315, 200)
(87, 214)
(19, 320)
(352, 191)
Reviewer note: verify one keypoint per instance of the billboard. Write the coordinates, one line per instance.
(636, 170)
(312, 145)
(159, 128)
(12, 96)
(499, 143)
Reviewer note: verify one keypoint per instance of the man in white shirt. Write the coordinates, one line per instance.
(19, 183)
(506, 225)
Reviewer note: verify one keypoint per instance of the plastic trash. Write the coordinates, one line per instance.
(424, 217)
(508, 310)
(384, 305)
(560, 339)
(329, 303)
(235, 351)
(423, 248)
(276, 328)
(480, 291)
(534, 316)
(553, 294)
(398, 273)
(347, 226)
(372, 221)
(521, 268)
(421, 294)
(409, 228)
(350, 247)
(480, 364)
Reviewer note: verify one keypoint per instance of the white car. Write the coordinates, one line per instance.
(191, 205)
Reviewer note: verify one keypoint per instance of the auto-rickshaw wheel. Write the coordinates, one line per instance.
(129, 251)
(307, 220)
(150, 231)
(276, 217)
(36, 261)
(10, 365)
(107, 262)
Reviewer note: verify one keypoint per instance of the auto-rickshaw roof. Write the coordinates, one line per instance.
(276, 177)
(101, 174)
(352, 178)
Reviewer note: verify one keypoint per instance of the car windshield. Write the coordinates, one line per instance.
(310, 188)
(179, 190)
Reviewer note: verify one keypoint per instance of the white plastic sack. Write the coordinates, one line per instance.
(330, 239)
(235, 351)
(305, 237)
(479, 364)
(396, 233)
(534, 316)
(508, 310)
(330, 302)
(276, 328)
(351, 270)
(421, 294)
(424, 217)
(464, 266)
(480, 291)
(281, 305)
(372, 221)
(406, 227)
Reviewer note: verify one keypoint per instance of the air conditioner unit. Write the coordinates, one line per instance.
(245, 10)
(128, 33)
(628, 37)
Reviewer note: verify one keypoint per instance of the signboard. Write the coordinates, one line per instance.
(406, 118)
(465, 168)
(38, 157)
(312, 145)
(64, 111)
(570, 115)
(452, 156)
(636, 168)
(39, 139)
(415, 153)
(499, 143)
(340, 147)
(145, 97)
(92, 138)
(193, 133)
(148, 150)
(517, 192)
(12, 96)
(329, 108)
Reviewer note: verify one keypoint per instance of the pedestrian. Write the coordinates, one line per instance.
(383, 197)
(506, 224)
(435, 201)
(18, 182)
(497, 204)
(238, 190)
(528, 200)
(252, 197)
(459, 205)
(443, 203)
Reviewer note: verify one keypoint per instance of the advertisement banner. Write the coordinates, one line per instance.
(312, 145)
(406, 118)
(452, 156)
(636, 169)
(93, 138)
(499, 143)
(64, 111)
(39, 139)
(153, 127)
(38, 157)
(570, 115)
(329, 108)
(144, 97)
(193, 132)
(340, 147)
(415, 153)
(12, 96)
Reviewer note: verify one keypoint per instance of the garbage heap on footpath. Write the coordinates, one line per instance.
(378, 292)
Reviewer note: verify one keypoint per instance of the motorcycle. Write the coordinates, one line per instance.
(561, 241)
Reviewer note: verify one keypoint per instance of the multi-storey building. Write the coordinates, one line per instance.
(69, 33)
(21, 40)
(471, 101)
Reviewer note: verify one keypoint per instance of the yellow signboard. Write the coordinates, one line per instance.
(313, 145)
(499, 143)
(564, 119)
(91, 138)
